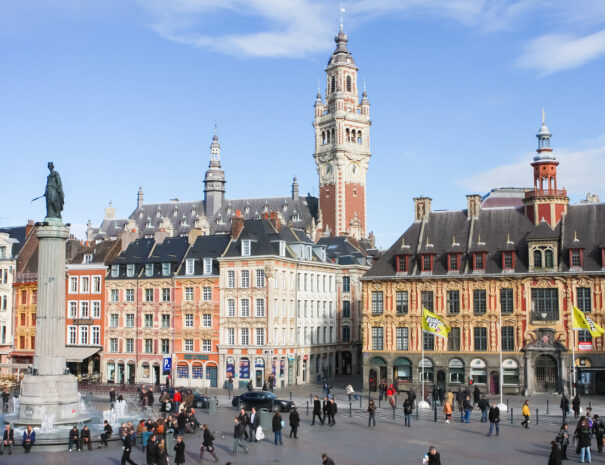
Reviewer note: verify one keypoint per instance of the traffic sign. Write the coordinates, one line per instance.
(167, 365)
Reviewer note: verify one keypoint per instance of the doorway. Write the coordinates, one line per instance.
(373, 380)
(212, 375)
(494, 383)
(441, 379)
(131, 373)
(120, 373)
(156, 375)
(259, 377)
(545, 374)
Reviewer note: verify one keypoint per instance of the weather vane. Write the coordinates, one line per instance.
(342, 12)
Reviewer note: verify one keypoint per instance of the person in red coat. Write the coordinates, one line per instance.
(176, 400)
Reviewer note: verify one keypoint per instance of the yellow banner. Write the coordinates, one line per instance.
(581, 321)
(432, 324)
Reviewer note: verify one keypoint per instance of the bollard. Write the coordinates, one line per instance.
(506, 404)
(394, 408)
(379, 401)
(416, 411)
(350, 409)
(307, 408)
(537, 417)
(290, 395)
(435, 410)
(547, 407)
(590, 404)
(360, 401)
(511, 416)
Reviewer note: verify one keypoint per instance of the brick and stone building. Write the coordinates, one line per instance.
(11, 240)
(504, 278)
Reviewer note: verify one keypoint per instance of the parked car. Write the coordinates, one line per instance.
(200, 400)
(262, 399)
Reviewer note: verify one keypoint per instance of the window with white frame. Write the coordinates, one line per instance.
(165, 321)
(260, 336)
(282, 248)
(73, 309)
(260, 307)
(114, 320)
(115, 271)
(130, 270)
(148, 295)
(129, 344)
(95, 335)
(188, 294)
(189, 320)
(245, 336)
(72, 335)
(148, 320)
(84, 335)
(166, 294)
(244, 307)
(96, 284)
(148, 269)
(230, 336)
(113, 344)
(114, 295)
(230, 307)
(207, 266)
(129, 295)
(245, 278)
(231, 279)
(188, 345)
(130, 320)
(73, 284)
(84, 309)
(148, 346)
(189, 266)
(96, 309)
(260, 278)
(246, 247)
(166, 268)
(207, 294)
(206, 345)
(85, 285)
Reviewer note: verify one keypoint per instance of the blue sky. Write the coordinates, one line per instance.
(122, 93)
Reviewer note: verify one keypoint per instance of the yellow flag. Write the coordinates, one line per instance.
(581, 321)
(432, 324)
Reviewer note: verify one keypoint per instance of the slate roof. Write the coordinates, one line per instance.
(211, 246)
(344, 250)
(136, 253)
(494, 231)
(17, 233)
(102, 252)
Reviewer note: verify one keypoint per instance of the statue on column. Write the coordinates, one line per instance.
(54, 193)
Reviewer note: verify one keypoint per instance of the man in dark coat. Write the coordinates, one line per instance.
(575, 405)
(332, 410)
(253, 422)
(243, 422)
(5, 398)
(460, 401)
(494, 419)
(179, 449)
(126, 448)
(412, 396)
(150, 398)
(555, 454)
(151, 452)
(237, 438)
(598, 429)
(85, 438)
(434, 458)
(564, 407)
(476, 395)
(74, 438)
(294, 422)
(106, 434)
(8, 440)
(317, 410)
(326, 411)
(483, 406)
(325, 460)
(181, 420)
(207, 443)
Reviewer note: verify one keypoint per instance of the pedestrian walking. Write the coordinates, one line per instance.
(8, 440)
(467, 406)
(5, 398)
(407, 412)
(325, 408)
(237, 438)
(253, 422)
(162, 453)
(598, 429)
(317, 410)
(526, 414)
(371, 413)
(176, 400)
(476, 395)
(333, 410)
(151, 451)
(382, 388)
(449, 397)
(555, 454)
(126, 449)
(412, 396)
(112, 398)
(207, 443)
(564, 407)
(484, 407)
(294, 420)
(432, 457)
(277, 424)
(350, 391)
(325, 460)
(494, 419)
(584, 440)
(179, 450)
(447, 410)
(460, 402)
(563, 440)
(243, 421)
(575, 405)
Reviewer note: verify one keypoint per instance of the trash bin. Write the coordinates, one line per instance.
(266, 421)
(169, 440)
(212, 405)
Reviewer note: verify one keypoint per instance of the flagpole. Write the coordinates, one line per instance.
(422, 362)
(501, 371)
(573, 359)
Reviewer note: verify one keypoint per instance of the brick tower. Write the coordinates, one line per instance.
(342, 145)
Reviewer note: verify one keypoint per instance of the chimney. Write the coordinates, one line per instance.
(275, 219)
(140, 197)
(265, 216)
(473, 206)
(295, 189)
(28, 227)
(237, 224)
(422, 208)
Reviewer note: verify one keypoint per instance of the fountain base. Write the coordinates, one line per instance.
(42, 396)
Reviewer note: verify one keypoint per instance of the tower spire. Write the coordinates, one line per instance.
(342, 12)
(214, 181)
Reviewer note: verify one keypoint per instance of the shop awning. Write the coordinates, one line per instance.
(78, 354)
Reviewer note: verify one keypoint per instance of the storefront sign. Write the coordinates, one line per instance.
(244, 368)
(230, 367)
(282, 367)
(167, 364)
(584, 345)
(477, 363)
(509, 363)
(196, 357)
(425, 363)
(456, 363)
(259, 362)
(305, 358)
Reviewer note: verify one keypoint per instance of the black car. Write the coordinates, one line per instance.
(262, 399)
(199, 400)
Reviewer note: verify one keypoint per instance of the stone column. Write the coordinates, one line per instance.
(49, 352)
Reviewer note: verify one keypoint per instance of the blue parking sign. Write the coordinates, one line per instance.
(167, 366)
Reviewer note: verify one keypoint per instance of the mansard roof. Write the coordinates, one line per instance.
(136, 252)
(212, 246)
(344, 250)
(102, 252)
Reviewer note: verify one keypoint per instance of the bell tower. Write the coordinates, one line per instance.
(342, 145)
(214, 182)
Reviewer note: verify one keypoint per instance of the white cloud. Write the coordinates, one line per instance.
(576, 173)
(550, 53)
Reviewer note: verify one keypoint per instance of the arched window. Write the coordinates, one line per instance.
(349, 86)
(323, 137)
(548, 259)
(348, 133)
(359, 137)
(333, 84)
(332, 138)
(328, 136)
(537, 259)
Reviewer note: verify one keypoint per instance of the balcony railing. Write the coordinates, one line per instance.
(532, 194)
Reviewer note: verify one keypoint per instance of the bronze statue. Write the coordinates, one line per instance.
(54, 193)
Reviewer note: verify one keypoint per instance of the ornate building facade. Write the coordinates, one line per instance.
(504, 279)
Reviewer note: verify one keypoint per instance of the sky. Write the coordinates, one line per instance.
(126, 93)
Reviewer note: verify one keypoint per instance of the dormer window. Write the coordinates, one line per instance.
(403, 263)
(115, 271)
(453, 262)
(508, 261)
(246, 248)
(207, 266)
(479, 261)
(576, 258)
(166, 269)
(148, 269)
(189, 266)
(542, 257)
(158, 213)
(426, 263)
(88, 258)
(130, 270)
(282, 248)
(308, 252)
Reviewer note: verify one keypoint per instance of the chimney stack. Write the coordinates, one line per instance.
(275, 219)
(237, 224)
(422, 208)
(29, 227)
(473, 206)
